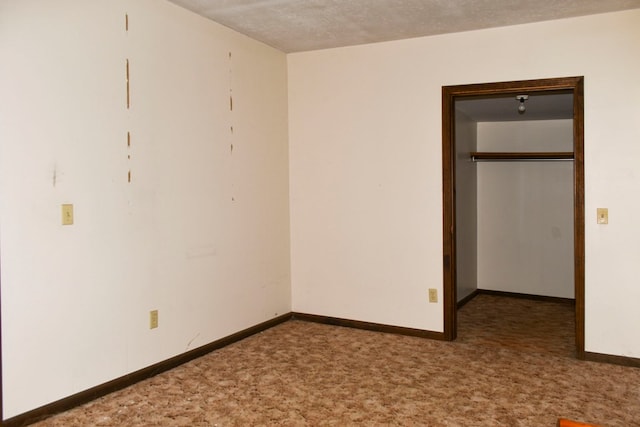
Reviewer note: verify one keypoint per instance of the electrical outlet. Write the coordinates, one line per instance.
(153, 319)
(67, 214)
(433, 295)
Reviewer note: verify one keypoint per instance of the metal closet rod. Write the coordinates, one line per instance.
(489, 156)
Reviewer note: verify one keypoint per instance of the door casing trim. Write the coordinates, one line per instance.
(449, 95)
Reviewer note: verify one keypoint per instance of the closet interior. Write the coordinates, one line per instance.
(514, 195)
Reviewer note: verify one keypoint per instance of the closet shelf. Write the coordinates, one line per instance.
(487, 156)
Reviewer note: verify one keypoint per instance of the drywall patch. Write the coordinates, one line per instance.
(127, 80)
(231, 127)
(128, 96)
(230, 84)
(129, 156)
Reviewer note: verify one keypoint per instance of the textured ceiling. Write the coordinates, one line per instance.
(301, 25)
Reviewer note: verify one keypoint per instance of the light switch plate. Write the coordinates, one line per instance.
(603, 216)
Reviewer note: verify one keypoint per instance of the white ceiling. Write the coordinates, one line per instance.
(301, 25)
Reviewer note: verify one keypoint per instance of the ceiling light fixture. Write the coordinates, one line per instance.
(521, 107)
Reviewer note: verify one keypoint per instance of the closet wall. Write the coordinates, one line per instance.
(525, 210)
(466, 211)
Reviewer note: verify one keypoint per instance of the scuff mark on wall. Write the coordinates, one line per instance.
(191, 341)
(201, 252)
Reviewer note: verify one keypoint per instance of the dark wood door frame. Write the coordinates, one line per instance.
(574, 85)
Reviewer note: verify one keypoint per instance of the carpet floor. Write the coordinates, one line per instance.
(512, 365)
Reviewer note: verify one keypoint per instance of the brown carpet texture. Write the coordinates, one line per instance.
(512, 365)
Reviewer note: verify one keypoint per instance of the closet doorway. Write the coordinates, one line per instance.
(559, 90)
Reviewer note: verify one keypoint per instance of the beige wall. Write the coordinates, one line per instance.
(525, 210)
(201, 233)
(366, 174)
